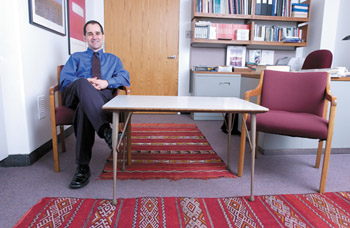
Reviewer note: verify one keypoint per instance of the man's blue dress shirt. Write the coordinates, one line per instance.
(79, 66)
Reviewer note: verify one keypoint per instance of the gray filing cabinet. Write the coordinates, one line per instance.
(214, 84)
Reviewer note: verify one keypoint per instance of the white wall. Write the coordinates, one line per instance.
(13, 99)
(28, 60)
(327, 27)
(342, 48)
(184, 48)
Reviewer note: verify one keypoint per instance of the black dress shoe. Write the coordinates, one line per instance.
(107, 134)
(81, 177)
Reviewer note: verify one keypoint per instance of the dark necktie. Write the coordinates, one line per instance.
(96, 66)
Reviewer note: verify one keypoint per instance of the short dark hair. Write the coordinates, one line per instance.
(92, 22)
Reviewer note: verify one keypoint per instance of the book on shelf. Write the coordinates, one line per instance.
(300, 6)
(242, 34)
(299, 14)
(224, 32)
(291, 39)
(212, 32)
(275, 33)
(223, 6)
(201, 30)
(229, 31)
(300, 10)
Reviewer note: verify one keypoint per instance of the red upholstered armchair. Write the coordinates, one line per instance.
(298, 106)
(318, 59)
(61, 115)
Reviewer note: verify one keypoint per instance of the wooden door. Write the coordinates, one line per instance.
(144, 34)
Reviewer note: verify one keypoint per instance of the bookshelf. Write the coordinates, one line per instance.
(299, 23)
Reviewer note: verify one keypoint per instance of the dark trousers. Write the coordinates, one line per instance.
(89, 117)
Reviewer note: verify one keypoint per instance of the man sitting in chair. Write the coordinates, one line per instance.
(88, 80)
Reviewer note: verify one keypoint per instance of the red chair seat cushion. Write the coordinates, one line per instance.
(291, 124)
(64, 115)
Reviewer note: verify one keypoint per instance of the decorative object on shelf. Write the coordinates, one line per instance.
(254, 57)
(267, 57)
(49, 15)
(203, 68)
(76, 21)
(235, 56)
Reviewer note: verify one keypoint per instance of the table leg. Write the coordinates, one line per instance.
(229, 140)
(128, 138)
(253, 132)
(115, 125)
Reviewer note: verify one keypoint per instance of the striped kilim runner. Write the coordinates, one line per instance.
(172, 151)
(301, 210)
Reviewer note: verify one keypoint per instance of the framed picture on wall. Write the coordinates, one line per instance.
(235, 56)
(76, 21)
(49, 15)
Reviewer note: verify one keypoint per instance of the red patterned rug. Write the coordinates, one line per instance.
(308, 210)
(172, 151)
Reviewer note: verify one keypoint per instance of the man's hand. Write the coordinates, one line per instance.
(99, 84)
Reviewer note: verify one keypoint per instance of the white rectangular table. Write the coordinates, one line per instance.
(134, 103)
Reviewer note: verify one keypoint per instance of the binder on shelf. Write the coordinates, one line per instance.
(269, 8)
(264, 7)
(258, 7)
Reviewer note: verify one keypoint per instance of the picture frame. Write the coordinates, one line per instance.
(76, 22)
(235, 56)
(48, 14)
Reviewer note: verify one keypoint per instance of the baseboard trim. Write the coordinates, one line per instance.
(301, 151)
(16, 160)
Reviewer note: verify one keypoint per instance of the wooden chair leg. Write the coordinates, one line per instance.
(319, 154)
(327, 154)
(55, 149)
(63, 144)
(242, 148)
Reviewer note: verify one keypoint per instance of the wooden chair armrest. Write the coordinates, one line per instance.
(256, 91)
(53, 89)
(252, 93)
(332, 99)
(123, 90)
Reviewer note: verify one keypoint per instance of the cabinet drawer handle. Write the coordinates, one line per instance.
(224, 83)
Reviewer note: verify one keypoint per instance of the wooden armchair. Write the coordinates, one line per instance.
(298, 106)
(61, 115)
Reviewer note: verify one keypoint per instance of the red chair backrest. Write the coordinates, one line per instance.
(318, 59)
(302, 92)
